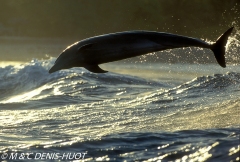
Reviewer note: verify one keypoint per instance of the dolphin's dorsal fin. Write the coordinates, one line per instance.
(95, 69)
(86, 46)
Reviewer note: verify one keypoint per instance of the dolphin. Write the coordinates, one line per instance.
(91, 52)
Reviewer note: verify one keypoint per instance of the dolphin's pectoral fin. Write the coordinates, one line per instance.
(95, 69)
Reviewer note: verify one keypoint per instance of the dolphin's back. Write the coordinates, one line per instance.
(164, 39)
(118, 46)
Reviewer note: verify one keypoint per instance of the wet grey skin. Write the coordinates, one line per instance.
(91, 52)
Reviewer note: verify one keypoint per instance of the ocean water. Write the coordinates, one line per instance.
(136, 112)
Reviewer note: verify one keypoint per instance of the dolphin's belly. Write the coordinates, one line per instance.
(120, 50)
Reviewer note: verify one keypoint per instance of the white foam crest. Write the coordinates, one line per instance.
(233, 46)
(22, 81)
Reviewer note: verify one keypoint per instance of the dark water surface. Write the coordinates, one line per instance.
(167, 113)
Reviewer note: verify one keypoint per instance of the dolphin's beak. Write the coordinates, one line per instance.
(61, 64)
(54, 69)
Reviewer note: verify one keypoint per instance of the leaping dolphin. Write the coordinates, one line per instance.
(91, 52)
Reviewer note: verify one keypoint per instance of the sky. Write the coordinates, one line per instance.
(33, 29)
(85, 18)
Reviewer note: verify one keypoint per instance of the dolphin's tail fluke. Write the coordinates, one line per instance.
(218, 48)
